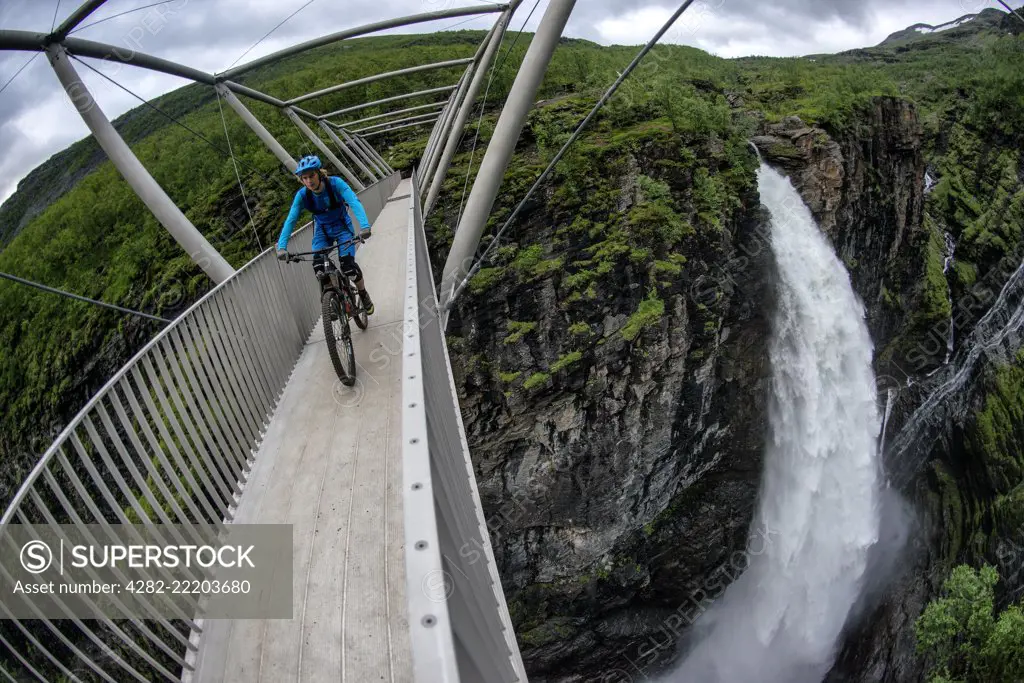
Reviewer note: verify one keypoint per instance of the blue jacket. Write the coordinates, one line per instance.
(332, 226)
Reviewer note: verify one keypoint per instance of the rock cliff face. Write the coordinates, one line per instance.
(953, 450)
(863, 184)
(620, 489)
(617, 432)
(619, 468)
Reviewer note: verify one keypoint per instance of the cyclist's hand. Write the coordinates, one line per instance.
(365, 235)
(282, 254)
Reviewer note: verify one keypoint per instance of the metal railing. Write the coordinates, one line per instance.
(169, 440)
(459, 623)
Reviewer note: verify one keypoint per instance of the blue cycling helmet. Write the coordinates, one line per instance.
(308, 163)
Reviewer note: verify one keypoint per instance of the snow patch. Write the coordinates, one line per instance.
(942, 27)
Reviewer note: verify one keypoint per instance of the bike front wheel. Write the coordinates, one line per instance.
(358, 313)
(339, 337)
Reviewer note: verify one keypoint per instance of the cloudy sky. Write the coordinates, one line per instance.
(37, 120)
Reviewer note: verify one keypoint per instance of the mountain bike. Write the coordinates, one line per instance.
(339, 302)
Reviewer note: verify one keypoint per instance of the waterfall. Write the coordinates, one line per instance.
(946, 263)
(781, 620)
(890, 394)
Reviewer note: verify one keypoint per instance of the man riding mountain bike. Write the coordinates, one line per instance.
(326, 197)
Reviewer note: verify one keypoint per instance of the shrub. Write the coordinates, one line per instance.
(961, 632)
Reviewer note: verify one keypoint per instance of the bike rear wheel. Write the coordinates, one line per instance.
(339, 337)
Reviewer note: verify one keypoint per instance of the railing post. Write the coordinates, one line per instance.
(467, 106)
(502, 145)
(436, 130)
(372, 151)
(349, 152)
(445, 132)
(357, 149)
(324, 149)
(129, 166)
(261, 132)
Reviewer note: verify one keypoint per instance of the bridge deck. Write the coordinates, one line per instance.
(330, 464)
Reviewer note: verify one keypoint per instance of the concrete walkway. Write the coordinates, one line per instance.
(330, 464)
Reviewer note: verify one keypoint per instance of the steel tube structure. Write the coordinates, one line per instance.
(386, 100)
(433, 134)
(372, 151)
(502, 145)
(408, 125)
(128, 165)
(261, 132)
(324, 149)
(379, 77)
(37, 42)
(354, 145)
(348, 152)
(76, 18)
(432, 105)
(444, 132)
(436, 132)
(453, 139)
(254, 94)
(363, 30)
(408, 119)
(26, 40)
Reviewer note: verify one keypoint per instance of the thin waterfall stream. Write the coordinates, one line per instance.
(781, 620)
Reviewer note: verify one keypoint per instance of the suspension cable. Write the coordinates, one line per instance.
(483, 105)
(119, 14)
(302, 137)
(61, 292)
(234, 164)
(1011, 11)
(54, 22)
(572, 138)
(16, 73)
(271, 31)
(251, 169)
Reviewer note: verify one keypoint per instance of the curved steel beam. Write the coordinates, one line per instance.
(359, 31)
(432, 105)
(380, 77)
(421, 117)
(408, 125)
(76, 18)
(396, 98)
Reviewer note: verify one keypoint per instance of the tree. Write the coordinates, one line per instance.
(963, 637)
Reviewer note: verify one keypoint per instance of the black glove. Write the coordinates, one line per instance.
(282, 255)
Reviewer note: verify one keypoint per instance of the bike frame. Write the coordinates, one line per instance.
(332, 275)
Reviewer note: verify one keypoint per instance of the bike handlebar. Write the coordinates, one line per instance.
(359, 239)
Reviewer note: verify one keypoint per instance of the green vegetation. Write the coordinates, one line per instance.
(518, 329)
(484, 279)
(644, 202)
(536, 379)
(648, 313)
(580, 329)
(935, 297)
(963, 636)
(994, 440)
(566, 360)
(676, 127)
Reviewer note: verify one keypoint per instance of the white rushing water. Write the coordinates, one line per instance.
(819, 503)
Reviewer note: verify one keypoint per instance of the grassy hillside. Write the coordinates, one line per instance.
(99, 240)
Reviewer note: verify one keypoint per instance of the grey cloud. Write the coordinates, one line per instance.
(210, 34)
